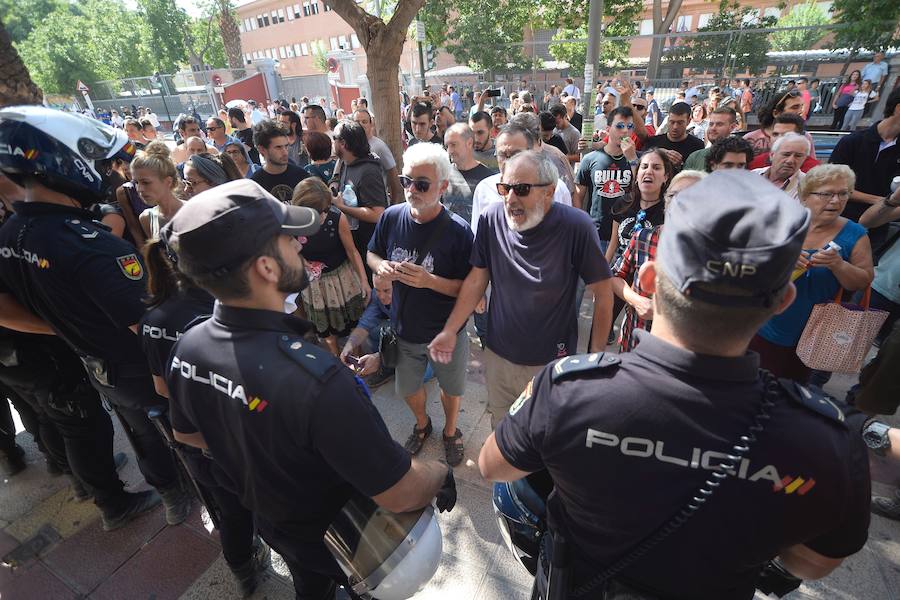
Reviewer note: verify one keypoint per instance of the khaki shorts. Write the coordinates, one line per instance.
(414, 358)
(505, 382)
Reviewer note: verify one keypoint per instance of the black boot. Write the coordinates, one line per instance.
(13, 463)
(133, 505)
(82, 491)
(177, 501)
(250, 573)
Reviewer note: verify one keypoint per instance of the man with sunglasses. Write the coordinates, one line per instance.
(215, 132)
(605, 175)
(424, 250)
(521, 246)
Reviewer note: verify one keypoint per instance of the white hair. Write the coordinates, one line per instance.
(424, 153)
(789, 137)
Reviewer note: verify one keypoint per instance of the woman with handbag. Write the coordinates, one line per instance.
(843, 97)
(820, 272)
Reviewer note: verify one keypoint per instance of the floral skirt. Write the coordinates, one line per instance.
(333, 301)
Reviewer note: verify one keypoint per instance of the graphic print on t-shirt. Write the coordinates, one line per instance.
(283, 192)
(403, 255)
(612, 183)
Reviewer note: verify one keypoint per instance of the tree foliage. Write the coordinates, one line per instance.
(620, 19)
(801, 15)
(95, 40)
(727, 54)
(870, 24)
(21, 16)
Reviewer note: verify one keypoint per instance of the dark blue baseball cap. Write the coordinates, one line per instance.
(736, 231)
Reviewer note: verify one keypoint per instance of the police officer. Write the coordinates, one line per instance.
(630, 440)
(62, 273)
(176, 304)
(290, 429)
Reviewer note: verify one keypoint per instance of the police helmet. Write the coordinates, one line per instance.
(67, 152)
(520, 508)
(386, 555)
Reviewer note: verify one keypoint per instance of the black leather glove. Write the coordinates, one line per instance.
(446, 496)
(775, 579)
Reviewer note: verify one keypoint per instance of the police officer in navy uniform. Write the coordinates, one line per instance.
(63, 273)
(291, 431)
(629, 440)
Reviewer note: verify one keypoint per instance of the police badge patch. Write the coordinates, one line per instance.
(130, 266)
(522, 399)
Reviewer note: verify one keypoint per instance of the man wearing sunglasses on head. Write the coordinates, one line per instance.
(605, 175)
(533, 252)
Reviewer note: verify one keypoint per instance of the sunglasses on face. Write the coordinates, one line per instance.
(521, 189)
(421, 185)
(628, 126)
(212, 128)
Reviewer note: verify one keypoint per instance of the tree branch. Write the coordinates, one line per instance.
(354, 15)
(404, 13)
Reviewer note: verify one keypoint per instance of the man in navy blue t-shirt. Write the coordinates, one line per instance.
(533, 251)
(424, 249)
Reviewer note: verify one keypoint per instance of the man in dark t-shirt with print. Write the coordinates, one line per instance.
(676, 142)
(520, 248)
(466, 173)
(605, 175)
(278, 176)
(424, 249)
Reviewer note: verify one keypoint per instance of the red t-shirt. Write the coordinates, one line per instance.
(763, 161)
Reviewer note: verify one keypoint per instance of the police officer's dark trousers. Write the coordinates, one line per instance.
(74, 428)
(131, 397)
(315, 573)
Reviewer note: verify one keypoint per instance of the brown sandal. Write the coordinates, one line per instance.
(417, 438)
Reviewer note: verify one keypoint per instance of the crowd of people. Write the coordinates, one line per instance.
(169, 272)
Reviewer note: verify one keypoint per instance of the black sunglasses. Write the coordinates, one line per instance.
(422, 185)
(521, 189)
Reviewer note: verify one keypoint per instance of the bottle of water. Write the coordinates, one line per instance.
(350, 199)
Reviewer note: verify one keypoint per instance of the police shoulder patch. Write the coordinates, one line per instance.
(524, 397)
(87, 230)
(319, 363)
(584, 362)
(813, 400)
(131, 266)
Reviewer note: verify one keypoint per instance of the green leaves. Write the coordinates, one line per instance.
(871, 24)
(801, 15)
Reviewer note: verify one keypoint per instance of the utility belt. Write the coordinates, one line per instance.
(108, 374)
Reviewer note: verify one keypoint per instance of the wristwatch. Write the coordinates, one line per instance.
(875, 435)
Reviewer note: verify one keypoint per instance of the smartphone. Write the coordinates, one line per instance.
(493, 93)
(353, 360)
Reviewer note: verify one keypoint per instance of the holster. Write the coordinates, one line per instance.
(99, 369)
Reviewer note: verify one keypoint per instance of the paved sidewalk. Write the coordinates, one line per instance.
(73, 558)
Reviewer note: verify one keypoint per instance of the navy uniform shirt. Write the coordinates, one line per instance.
(290, 427)
(629, 439)
(163, 325)
(85, 282)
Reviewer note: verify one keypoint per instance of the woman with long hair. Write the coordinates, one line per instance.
(699, 122)
(157, 181)
(338, 289)
(843, 98)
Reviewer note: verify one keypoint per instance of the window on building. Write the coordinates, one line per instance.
(281, 15)
(342, 42)
(684, 23)
(646, 27)
(265, 20)
(334, 43)
(751, 17)
(772, 11)
(274, 17)
(703, 20)
(281, 52)
(241, 27)
(290, 51)
(306, 12)
(268, 53)
(326, 8)
(297, 13)
(305, 49)
(354, 40)
(259, 21)
(290, 13)
(315, 8)
(297, 50)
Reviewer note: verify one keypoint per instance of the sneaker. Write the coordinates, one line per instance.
(453, 448)
(135, 504)
(887, 507)
(177, 501)
(249, 574)
(417, 438)
(14, 462)
(379, 378)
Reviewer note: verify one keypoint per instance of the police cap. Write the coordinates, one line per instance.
(223, 227)
(732, 229)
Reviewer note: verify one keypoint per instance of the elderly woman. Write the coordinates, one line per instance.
(205, 171)
(238, 154)
(641, 248)
(820, 273)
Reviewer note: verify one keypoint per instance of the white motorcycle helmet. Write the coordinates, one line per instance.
(385, 555)
(67, 152)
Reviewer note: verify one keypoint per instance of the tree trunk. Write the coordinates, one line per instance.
(231, 35)
(660, 25)
(16, 86)
(383, 44)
